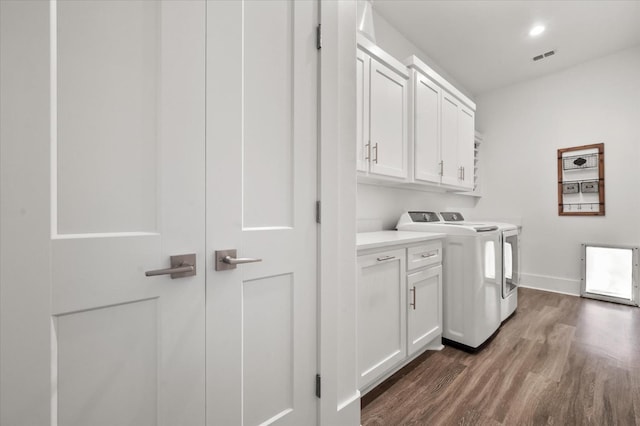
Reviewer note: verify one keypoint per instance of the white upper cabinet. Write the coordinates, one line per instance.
(449, 142)
(388, 134)
(420, 132)
(466, 145)
(441, 130)
(382, 85)
(426, 129)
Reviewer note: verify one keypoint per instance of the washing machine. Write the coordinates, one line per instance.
(509, 255)
(471, 277)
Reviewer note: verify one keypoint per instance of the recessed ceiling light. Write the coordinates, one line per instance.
(536, 30)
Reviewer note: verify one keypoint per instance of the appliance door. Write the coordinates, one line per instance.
(510, 261)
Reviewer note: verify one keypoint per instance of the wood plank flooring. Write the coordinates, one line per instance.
(561, 360)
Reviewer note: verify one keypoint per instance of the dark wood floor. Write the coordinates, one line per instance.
(561, 360)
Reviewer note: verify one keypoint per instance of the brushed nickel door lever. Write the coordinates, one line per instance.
(182, 265)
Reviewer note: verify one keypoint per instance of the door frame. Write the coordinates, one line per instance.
(337, 347)
(25, 220)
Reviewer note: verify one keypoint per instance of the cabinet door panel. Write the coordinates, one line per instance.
(450, 166)
(426, 130)
(388, 134)
(381, 313)
(362, 111)
(466, 135)
(425, 310)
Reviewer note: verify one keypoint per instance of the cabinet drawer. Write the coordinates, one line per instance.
(424, 255)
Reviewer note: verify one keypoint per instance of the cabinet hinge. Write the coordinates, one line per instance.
(319, 37)
(317, 211)
(318, 385)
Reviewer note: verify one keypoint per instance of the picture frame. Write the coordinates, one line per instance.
(581, 180)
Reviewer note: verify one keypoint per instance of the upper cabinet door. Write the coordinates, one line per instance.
(388, 121)
(426, 136)
(450, 167)
(363, 148)
(466, 135)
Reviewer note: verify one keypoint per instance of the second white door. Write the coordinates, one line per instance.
(261, 193)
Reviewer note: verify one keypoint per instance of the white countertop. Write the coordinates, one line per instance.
(369, 240)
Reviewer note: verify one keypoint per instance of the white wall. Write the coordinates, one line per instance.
(397, 45)
(525, 124)
(380, 207)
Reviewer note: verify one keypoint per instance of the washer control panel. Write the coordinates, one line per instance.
(424, 216)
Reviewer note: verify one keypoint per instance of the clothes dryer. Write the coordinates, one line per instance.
(509, 255)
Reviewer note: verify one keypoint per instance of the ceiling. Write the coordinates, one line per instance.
(485, 45)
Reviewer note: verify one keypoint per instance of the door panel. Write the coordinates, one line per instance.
(107, 84)
(425, 311)
(92, 346)
(450, 171)
(387, 122)
(261, 192)
(267, 305)
(127, 191)
(267, 114)
(427, 130)
(381, 313)
(466, 139)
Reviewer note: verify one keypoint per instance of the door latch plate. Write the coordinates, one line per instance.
(183, 260)
(221, 254)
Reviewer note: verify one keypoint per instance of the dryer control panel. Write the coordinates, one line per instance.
(452, 216)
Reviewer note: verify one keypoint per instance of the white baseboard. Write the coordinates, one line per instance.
(348, 412)
(552, 284)
(354, 398)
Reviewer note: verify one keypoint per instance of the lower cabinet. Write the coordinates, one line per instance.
(381, 313)
(399, 307)
(424, 318)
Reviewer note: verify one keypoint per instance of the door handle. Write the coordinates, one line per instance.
(383, 258)
(413, 291)
(182, 265)
(239, 260)
(226, 259)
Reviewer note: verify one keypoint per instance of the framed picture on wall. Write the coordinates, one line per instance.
(581, 180)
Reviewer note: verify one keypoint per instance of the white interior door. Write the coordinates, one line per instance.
(261, 192)
(126, 150)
